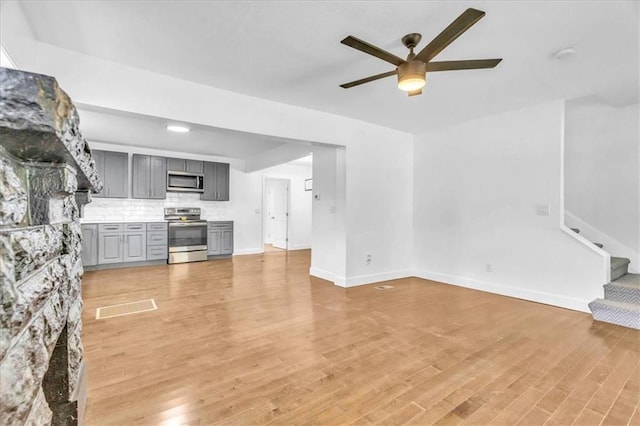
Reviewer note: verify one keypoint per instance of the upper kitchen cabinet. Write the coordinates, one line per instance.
(149, 176)
(216, 182)
(182, 165)
(113, 169)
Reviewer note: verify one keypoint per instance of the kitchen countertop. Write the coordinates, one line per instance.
(87, 221)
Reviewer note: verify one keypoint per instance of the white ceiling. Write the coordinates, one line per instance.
(289, 51)
(102, 125)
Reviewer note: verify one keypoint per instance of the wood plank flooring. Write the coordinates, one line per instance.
(255, 340)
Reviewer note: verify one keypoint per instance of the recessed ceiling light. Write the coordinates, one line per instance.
(177, 129)
(564, 53)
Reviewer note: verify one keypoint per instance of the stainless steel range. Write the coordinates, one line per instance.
(187, 234)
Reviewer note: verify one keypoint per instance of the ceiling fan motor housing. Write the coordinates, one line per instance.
(412, 75)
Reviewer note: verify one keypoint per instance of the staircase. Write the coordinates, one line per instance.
(621, 303)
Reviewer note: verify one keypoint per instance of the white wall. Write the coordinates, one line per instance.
(602, 180)
(328, 234)
(244, 206)
(476, 189)
(379, 194)
(300, 202)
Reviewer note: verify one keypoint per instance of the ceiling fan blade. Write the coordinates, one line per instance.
(449, 34)
(472, 64)
(368, 79)
(365, 47)
(414, 92)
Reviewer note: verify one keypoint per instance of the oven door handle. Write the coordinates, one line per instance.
(204, 225)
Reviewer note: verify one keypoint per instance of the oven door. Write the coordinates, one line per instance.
(187, 236)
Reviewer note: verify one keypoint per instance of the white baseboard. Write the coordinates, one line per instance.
(376, 278)
(341, 281)
(241, 252)
(321, 273)
(519, 293)
(303, 247)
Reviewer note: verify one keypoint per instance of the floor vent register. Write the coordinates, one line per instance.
(126, 309)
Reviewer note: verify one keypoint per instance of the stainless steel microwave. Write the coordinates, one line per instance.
(185, 181)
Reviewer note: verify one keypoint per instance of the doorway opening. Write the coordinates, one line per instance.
(276, 214)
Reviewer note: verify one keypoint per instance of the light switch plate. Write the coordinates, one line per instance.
(543, 210)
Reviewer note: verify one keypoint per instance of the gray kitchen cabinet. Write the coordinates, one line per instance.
(175, 164)
(213, 241)
(194, 166)
(110, 247)
(89, 244)
(216, 182)
(157, 236)
(121, 242)
(183, 165)
(135, 246)
(149, 177)
(220, 238)
(113, 168)
(227, 241)
(98, 157)
(158, 177)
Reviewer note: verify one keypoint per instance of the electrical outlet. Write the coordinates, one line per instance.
(367, 259)
(489, 267)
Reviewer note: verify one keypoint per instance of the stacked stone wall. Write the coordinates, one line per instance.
(46, 175)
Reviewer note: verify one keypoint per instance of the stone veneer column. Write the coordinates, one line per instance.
(46, 172)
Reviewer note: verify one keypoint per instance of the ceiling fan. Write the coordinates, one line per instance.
(412, 71)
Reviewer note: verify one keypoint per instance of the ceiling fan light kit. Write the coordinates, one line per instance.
(412, 75)
(412, 72)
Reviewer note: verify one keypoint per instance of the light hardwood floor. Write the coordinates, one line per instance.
(255, 340)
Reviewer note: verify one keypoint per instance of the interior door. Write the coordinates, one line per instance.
(278, 211)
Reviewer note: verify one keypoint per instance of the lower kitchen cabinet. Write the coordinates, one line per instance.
(110, 248)
(89, 244)
(135, 246)
(157, 253)
(157, 248)
(112, 243)
(118, 242)
(220, 238)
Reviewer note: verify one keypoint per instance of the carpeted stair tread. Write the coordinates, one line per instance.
(614, 312)
(619, 267)
(629, 280)
(625, 289)
(617, 262)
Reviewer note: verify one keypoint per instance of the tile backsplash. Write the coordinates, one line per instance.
(130, 209)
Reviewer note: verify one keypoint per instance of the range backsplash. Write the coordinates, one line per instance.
(131, 209)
